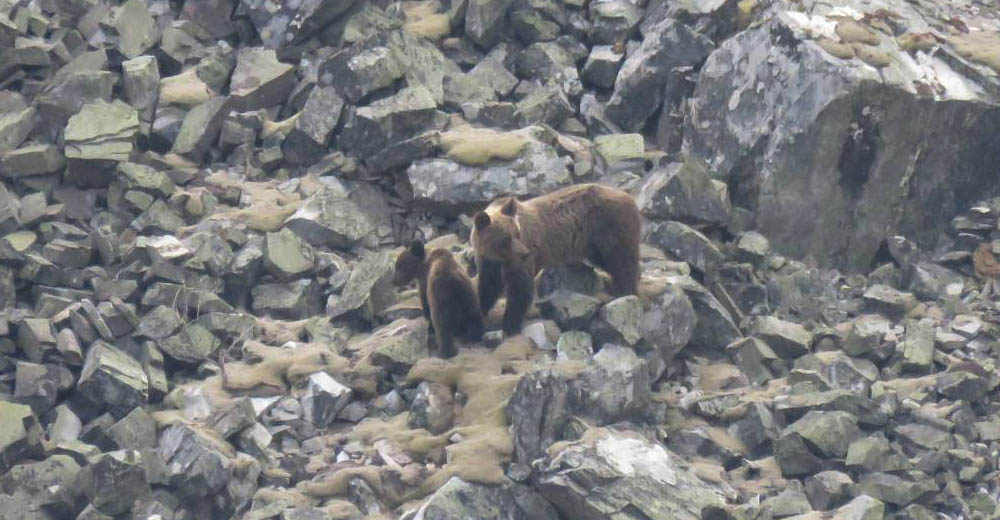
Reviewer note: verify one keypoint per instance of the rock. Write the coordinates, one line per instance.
(686, 244)
(39, 386)
(531, 26)
(307, 141)
(299, 299)
(840, 371)
(290, 24)
(614, 386)
(42, 485)
(286, 255)
(866, 334)
(924, 437)
(20, 435)
(612, 20)
(369, 289)
(192, 344)
(259, 80)
(669, 322)
(571, 310)
(433, 408)
(97, 137)
(328, 218)
(201, 127)
(789, 502)
(15, 126)
(31, 160)
(398, 345)
(136, 28)
(114, 481)
(714, 327)
(828, 489)
(794, 457)
(323, 399)
(198, 465)
(601, 67)
(389, 120)
(135, 431)
(113, 380)
(893, 490)
(787, 339)
(619, 321)
(757, 429)
(537, 412)
(547, 105)
(830, 432)
(685, 191)
(446, 186)
(65, 427)
(574, 345)
(961, 385)
(839, 146)
(639, 88)
(643, 479)
(863, 507)
(484, 21)
(214, 17)
(133, 176)
(460, 499)
(360, 70)
(36, 338)
(918, 346)
(616, 148)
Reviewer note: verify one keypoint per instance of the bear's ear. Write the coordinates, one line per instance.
(509, 208)
(417, 248)
(482, 220)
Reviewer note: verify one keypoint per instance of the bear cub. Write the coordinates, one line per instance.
(514, 240)
(447, 296)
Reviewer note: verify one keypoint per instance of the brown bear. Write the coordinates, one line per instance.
(514, 240)
(447, 297)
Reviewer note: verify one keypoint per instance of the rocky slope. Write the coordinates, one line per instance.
(200, 203)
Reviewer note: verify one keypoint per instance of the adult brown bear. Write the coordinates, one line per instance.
(513, 240)
(446, 295)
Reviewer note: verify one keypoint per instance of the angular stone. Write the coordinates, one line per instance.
(40, 385)
(233, 419)
(828, 489)
(198, 464)
(924, 437)
(398, 345)
(212, 16)
(686, 244)
(609, 474)
(286, 255)
(614, 386)
(193, 344)
(547, 105)
(98, 136)
(112, 379)
(617, 148)
(135, 431)
(368, 290)
(460, 499)
(201, 127)
(794, 457)
(863, 507)
(602, 66)
(574, 345)
(328, 218)
(133, 176)
(260, 80)
(293, 300)
(484, 20)
(612, 20)
(41, 486)
(866, 334)
(961, 385)
(290, 23)
(20, 435)
(433, 408)
(570, 310)
(136, 28)
(323, 399)
(358, 71)
(307, 141)
(918, 346)
(619, 321)
(830, 432)
(669, 322)
(15, 126)
(389, 120)
(36, 338)
(685, 191)
(787, 339)
(538, 412)
(41, 159)
(185, 300)
(892, 489)
(639, 89)
(874, 453)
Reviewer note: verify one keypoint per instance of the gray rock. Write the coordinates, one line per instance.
(841, 371)
(918, 346)
(98, 136)
(292, 300)
(233, 419)
(614, 386)
(828, 489)
(201, 127)
(891, 489)
(445, 186)
(963, 385)
(433, 408)
(794, 458)
(27, 161)
(15, 126)
(184, 299)
(620, 474)
(135, 27)
(213, 17)
(532, 26)
(114, 481)
(113, 380)
(830, 432)
(684, 191)
(714, 327)
(323, 399)
(135, 431)
(160, 323)
(602, 66)
(485, 20)
(866, 334)
(612, 20)
(492, 71)
(458, 499)
(40, 485)
(925, 437)
(619, 321)
(286, 255)
(39, 386)
(787, 339)
(639, 89)
(198, 464)
(537, 411)
(260, 80)
(574, 345)
(845, 198)
(886, 300)
(398, 345)
(757, 429)
(686, 244)
(133, 176)
(547, 105)
(669, 322)
(36, 338)
(389, 120)
(192, 344)
(307, 141)
(20, 435)
(571, 310)
(65, 426)
(368, 291)
(73, 87)
(360, 70)
(328, 218)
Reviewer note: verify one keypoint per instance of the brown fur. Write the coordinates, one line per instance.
(513, 240)
(447, 297)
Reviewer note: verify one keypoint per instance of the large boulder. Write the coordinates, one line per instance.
(838, 159)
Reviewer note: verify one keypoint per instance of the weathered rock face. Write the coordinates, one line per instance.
(609, 475)
(838, 160)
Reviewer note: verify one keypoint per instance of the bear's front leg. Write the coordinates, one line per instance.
(490, 284)
(520, 291)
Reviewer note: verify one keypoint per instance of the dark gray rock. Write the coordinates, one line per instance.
(619, 321)
(788, 340)
(829, 432)
(289, 24)
(614, 386)
(686, 244)
(201, 127)
(537, 412)
(639, 89)
(547, 105)
(39, 386)
(21, 436)
(198, 465)
(293, 300)
(828, 489)
(602, 66)
(389, 120)
(193, 343)
(360, 70)
(286, 255)
(485, 20)
(369, 289)
(458, 499)
(114, 481)
(612, 20)
(259, 80)
(113, 380)
(569, 309)
(27, 161)
(686, 192)
(328, 218)
(794, 457)
(307, 141)
(97, 137)
(323, 399)
(15, 126)
(433, 408)
(669, 322)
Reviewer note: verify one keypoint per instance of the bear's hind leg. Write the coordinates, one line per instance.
(621, 261)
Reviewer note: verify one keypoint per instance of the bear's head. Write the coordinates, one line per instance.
(409, 263)
(496, 234)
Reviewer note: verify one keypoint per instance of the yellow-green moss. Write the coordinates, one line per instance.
(981, 47)
(475, 146)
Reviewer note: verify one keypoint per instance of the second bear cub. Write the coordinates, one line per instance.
(447, 297)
